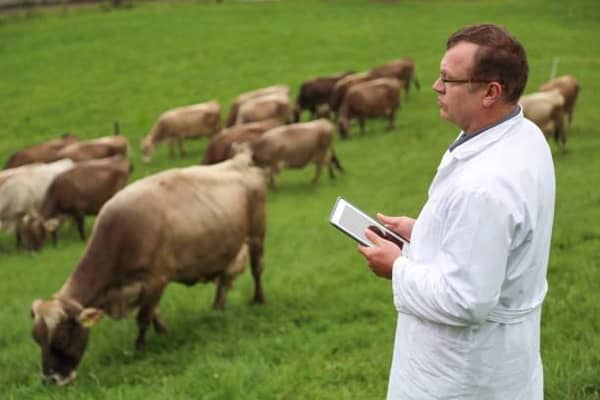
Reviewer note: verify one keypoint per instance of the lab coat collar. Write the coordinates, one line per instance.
(486, 138)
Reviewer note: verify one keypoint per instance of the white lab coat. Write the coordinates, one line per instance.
(469, 288)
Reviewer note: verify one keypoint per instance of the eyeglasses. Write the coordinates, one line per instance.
(469, 81)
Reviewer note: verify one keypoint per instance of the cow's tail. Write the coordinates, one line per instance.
(116, 128)
(416, 82)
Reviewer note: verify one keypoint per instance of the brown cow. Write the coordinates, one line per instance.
(270, 106)
(42, 152)
(376, 98)
(78, 192)
(296, 145)
(102, 147)
(402, 69)
(195, 121)
(315, 93)
(220, 146)
(341, 87)
(186, 225)
(547, 111)
(568, 87)
(242, 98)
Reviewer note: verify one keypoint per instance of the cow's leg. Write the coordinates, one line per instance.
(54, 235)
(329, 161)
(148, 312)
(171, 146)
(273, 172)
(392, 123)
(143, 319)
(18, 237)
(220, 294)
(180, 145)
(319, 161)
(80, 221)
(225, 280)
(560, 136)
(146, 315)
(257, 266)
(157, 322)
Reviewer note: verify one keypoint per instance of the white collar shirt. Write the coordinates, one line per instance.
(469, 288)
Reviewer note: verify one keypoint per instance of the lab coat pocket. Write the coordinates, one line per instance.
(438, 356)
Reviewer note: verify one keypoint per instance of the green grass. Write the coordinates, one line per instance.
(326, 331)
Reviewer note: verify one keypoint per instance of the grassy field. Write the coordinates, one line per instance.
(326, 331)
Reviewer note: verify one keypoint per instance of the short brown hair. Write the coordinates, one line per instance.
(500, 57)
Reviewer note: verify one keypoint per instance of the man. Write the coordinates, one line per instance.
(469, 288)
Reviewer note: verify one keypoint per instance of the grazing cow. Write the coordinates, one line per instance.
(80, 191)
(24, 192)
(102, 147)
(40, 153)
(242, 98)
(568, 87)
(270, 106)
(296, 145)
(315, 93)
(341, 87)
(376, 98)
(181, 123)
(547, 111)
(7, 173)
(402, 69)
(220, 146)
(186, 225)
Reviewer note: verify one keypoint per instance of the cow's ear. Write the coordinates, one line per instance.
(35, 306)
(51, 225)
(89, 316)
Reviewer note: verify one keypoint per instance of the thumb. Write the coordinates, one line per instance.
(383, 218)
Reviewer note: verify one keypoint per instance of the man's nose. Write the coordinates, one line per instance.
(438, 86)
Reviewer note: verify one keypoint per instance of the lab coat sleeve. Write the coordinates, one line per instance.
(462, 283)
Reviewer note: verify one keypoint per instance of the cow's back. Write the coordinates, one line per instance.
(369, 99)
(42, 152)
(220, 146)
(271, 106)
(341, 87)
(176, 225)
(295, 144)
(86, 187)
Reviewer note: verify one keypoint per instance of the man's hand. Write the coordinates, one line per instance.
(401, 225)
(381, 256)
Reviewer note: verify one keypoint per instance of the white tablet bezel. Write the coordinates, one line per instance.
(335, 219)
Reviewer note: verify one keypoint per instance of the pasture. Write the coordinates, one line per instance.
(326, 331)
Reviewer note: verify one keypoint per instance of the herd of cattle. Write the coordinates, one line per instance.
(199, 223)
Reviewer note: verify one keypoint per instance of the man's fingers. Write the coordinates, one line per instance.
(383, 218)
(373, 237)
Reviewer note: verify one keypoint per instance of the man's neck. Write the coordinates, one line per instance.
(490, 118)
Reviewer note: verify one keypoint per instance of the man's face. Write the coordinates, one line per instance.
(459, 102)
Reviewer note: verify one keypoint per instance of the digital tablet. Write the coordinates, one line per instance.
(353, 222)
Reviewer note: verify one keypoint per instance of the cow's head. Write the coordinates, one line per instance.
(61, 328)
(147, 149)
(34, 228)
(343, 127)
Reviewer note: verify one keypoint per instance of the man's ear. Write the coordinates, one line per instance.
(493, 95)
(88, 317)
